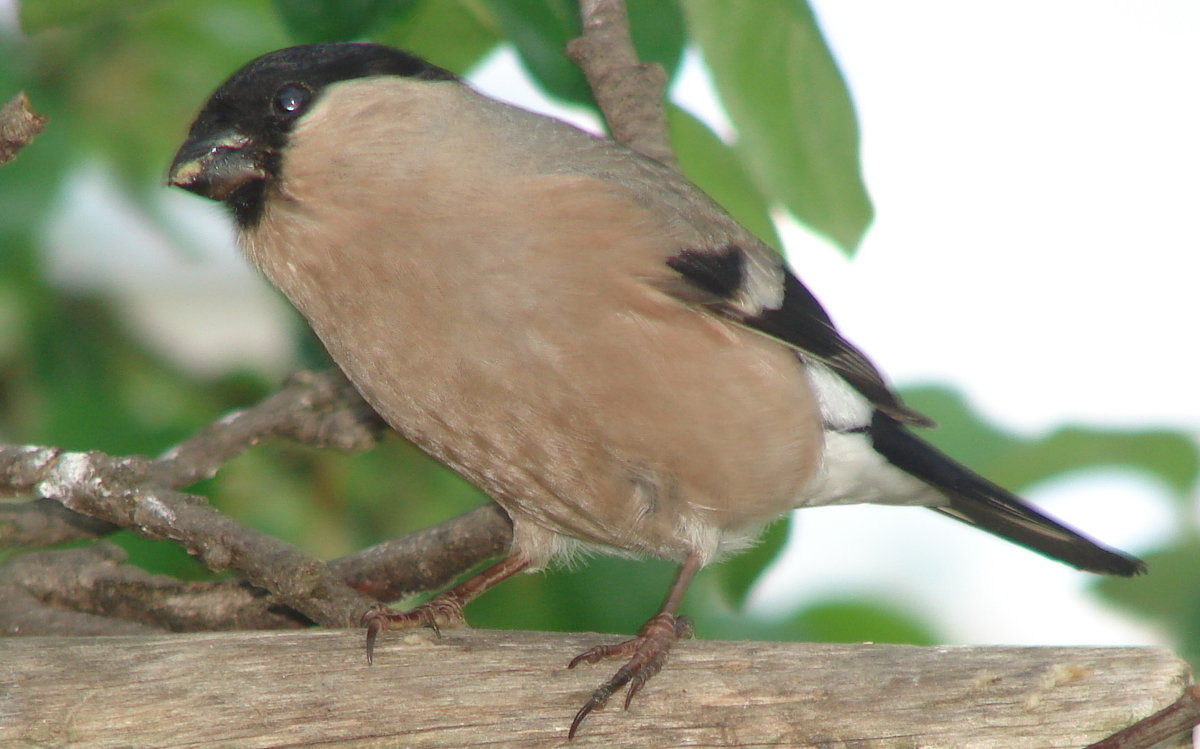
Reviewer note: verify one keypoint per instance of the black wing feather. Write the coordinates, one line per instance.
(714, 279)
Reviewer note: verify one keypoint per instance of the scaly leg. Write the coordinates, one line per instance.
(444, 609)
(647, 652)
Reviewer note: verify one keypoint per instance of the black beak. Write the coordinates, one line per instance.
(216, 166)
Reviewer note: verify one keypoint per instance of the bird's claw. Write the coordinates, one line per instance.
(647, 653)
(434, 614)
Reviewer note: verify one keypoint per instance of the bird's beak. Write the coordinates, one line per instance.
(216, 166)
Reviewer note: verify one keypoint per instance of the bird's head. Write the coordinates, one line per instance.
(234, 149)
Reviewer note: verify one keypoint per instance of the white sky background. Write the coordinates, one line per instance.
(1034, 171)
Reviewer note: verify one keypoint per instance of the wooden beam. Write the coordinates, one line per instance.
(475, 688)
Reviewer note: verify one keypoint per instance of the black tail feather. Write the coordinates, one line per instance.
(979, 502)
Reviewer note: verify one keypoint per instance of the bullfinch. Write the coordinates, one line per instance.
(573, 327)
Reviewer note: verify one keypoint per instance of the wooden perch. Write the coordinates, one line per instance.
(476, 687)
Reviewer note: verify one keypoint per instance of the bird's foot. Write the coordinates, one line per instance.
(441, 611)
(647, 653)
(444, 609)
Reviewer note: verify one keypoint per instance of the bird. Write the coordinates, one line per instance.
(573, 327)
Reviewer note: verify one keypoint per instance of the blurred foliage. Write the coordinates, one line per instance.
(323, 20)
(715, 167)
(1168, 596)
(121, 79)
(540, 30)
(796, 126)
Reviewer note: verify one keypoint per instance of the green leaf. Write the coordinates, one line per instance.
(710, 163)
(128, 402)
(659, 32)
(141, 78)
(737, 575)
(37, 16)
(338, 20)
(795, 121)
(448, 33)
(540, 30)
(604, 594)
(859, 621)
(1167, 596)
(29, 184)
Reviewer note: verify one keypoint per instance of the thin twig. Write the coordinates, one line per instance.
(317, 409)
(87, 590)
(429, 559)
(44, 522)
(1178, 718)
(93, 590)
(18, 126)
(629, 92)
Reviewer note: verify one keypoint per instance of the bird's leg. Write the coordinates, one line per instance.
(443, 610)
(647, 652)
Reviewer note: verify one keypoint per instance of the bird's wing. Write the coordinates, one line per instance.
(736, 285)
(719, 282)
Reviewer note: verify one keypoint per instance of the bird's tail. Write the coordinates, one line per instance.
(979, 502)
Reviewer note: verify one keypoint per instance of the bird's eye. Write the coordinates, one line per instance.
(291, 99)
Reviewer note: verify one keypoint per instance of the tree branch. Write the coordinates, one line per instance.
(629, 92)
(322, 410)
(91, 590)
(116, 490)
(1174, 720)
(428, 559)
(18, 126)
(317, 409)
(42, 522)
(89, 494)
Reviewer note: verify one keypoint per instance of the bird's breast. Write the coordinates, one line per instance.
(511, 332)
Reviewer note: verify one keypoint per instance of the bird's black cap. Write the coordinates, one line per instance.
(258, 105)
(247, 97)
